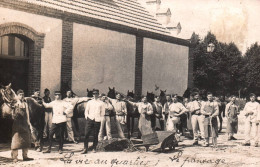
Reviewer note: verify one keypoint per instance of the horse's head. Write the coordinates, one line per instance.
(130, 94)
(111, 93)
(89, 93)
(8, 94)
(8, 97)
(163, 93)
(150, 97)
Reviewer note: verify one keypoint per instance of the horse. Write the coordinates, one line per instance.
(132, 113)
(89, 93)
(163, 97)
(79, 110)
(36, 116)
(37, 120)
(111, 93)
(7, 100)
(150, 97)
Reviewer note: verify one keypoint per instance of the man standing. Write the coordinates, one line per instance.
(232, 119)
(94, 114)
(70, 133)
(36, 96)
(121, 114)
(176, 109)
(166, 108)
(60, 109)
(197, 119)
(48, 114)
(21, 128)
(157, 109)
(210, 110)
(105, 123)
(251, 124)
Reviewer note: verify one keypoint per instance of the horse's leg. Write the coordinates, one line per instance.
(132, 125)
(128, 126)
(76, 124)
(220, 122)
(41, 130)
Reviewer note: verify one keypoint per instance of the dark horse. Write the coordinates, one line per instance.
(36, 116)
(132, 113)
(150, 97)
(163, 97)
(79, 110)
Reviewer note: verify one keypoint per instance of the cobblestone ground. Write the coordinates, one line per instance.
(228, 153)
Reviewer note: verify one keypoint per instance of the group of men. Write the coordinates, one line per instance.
(101, 110)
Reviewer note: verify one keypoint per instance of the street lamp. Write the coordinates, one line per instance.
(210, 48)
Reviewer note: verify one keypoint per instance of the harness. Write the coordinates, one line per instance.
(8, 100)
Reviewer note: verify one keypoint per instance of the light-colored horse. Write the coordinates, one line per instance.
(36, 116)
(7, 100)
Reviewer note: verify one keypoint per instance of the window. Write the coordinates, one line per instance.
(13, 46)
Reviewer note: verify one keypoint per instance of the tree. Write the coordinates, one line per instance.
(219, 71)
(251, 69)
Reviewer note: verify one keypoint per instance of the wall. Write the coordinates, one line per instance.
(51, 53)
(165, 65)
(102, 59)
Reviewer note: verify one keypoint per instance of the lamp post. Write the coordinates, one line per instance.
(210, 48)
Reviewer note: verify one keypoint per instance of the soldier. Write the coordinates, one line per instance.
(176, 109)
(232, 112)
(36, 96)
(94, 114)
(60, 110)
(197, 119)
(251, 124)
(48, 114)
(157, 108)
(166, 108)
(121, 114)
(21, 128)
(210, 110)
(70, 134)
(105, 123)
(146, 110)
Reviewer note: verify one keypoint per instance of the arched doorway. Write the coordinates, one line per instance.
(14, 61)
(20, 56)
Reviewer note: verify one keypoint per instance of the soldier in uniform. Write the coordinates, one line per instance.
(60, 110)
(48, 114)
(157, 109)
(70, 135)
(197, 119)
(251, 124)
(21, 129)
(231, 113)
(210, 110)
(36, 96)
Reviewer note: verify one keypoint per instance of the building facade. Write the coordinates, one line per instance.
(89, 44)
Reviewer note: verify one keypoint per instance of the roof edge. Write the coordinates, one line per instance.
(59, 14)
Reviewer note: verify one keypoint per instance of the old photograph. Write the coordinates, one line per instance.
(130, 83)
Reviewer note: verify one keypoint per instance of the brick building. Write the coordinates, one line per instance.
(89, 44)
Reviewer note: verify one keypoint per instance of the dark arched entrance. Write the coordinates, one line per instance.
(20, 56)
(14, 61)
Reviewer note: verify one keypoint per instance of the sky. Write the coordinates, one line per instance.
(230, 20)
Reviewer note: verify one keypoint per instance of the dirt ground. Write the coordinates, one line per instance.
(228, 154)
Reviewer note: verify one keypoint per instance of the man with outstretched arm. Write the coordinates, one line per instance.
(60, 109)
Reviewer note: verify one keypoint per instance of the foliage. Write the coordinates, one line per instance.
(225, 71)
